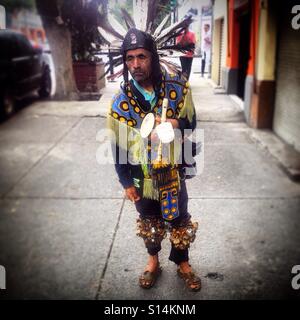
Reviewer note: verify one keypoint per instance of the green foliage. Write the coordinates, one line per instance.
(163, 10)
(83, 22)
(11, 5)
(82, 40)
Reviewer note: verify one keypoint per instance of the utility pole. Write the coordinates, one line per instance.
(173, 6)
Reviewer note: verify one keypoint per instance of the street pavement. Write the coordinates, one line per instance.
(66, 231)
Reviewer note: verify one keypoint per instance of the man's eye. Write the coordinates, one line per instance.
(129, 59)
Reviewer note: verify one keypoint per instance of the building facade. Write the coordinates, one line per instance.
(219, 42)
(256, 56)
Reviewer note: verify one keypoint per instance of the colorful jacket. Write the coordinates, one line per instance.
(127, 111)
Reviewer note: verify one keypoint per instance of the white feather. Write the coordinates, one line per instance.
(161, 25)
(117, 26)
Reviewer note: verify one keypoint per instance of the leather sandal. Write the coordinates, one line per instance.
(192, 281)
(147, 279)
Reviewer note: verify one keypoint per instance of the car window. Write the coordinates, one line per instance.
(22, 47)
(14, 46)
(6, 48)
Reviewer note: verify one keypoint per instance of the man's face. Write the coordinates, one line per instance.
(138, 62)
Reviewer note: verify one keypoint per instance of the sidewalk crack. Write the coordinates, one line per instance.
(109, 251)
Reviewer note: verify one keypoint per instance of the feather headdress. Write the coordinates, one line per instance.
(114, 34)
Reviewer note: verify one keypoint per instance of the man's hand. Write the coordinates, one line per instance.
(157, 120)
(154, 137)
(132, 194)
(174, 122)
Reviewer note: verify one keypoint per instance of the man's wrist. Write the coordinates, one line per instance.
(129, 187)
(174, 122)
(127, 183)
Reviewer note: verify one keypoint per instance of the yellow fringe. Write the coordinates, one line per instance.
(188, 109)
(148, 191)
(136, 146)
(138, 151)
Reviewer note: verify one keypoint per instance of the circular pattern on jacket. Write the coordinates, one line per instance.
(115, 115)
(124, 105)
(131, 122)
(180, 104)
(137, 109)
(170, 113)
(173, 94)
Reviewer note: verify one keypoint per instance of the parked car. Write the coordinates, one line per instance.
(23, 70)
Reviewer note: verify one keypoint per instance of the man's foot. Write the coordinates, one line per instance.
(185, 272)
(152, 264)
(152, 270)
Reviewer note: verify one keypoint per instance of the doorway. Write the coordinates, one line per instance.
(244, 50)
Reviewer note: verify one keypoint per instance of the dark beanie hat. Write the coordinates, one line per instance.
(135, 39)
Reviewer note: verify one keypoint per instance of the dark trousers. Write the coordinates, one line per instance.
(202, 67)
(151, 208)
(186, 66)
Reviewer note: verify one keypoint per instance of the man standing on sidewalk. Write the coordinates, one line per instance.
(187, 38)
(139, 96)
(206, 47)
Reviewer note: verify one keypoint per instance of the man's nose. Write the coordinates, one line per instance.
(136, 63)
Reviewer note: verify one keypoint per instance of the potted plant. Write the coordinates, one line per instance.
(88, 68)
(83, 23)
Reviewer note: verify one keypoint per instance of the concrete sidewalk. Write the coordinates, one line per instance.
(67, 233)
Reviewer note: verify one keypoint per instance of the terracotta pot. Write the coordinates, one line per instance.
(87, 76)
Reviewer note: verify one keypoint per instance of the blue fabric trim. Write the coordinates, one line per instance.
(149, 96)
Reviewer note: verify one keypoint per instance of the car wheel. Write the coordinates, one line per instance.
(46, 85)
(8, 106)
